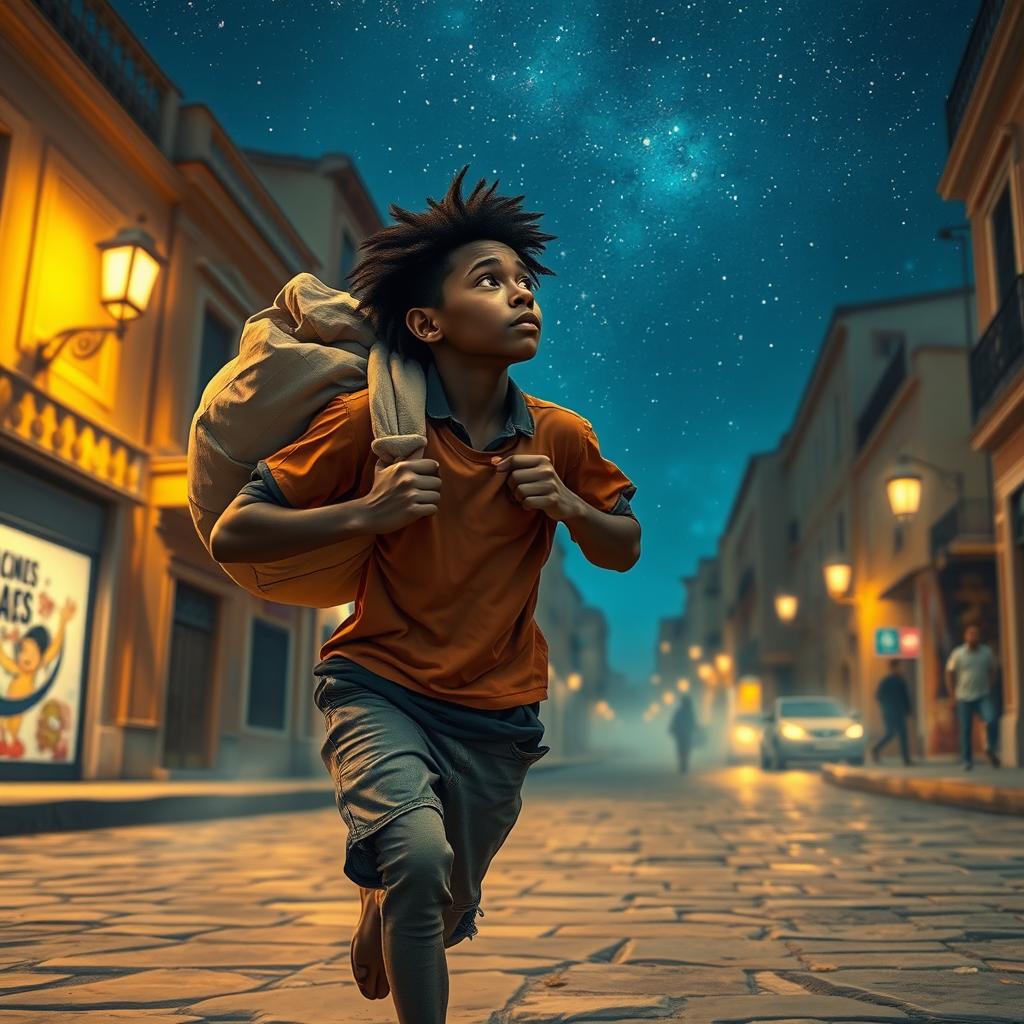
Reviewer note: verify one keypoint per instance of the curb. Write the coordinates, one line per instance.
(114, 804)
(972, 796)
(81, 814)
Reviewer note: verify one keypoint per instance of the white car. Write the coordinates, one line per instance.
(810, 729)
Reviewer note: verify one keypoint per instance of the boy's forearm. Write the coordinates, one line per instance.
(264, 532)
(607, 540)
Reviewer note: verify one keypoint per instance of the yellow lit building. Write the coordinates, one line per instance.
(985, 171)
(160, 664)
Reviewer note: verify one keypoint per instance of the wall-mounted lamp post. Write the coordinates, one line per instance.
(903, 485)
(786, 606)
(838, 573)
(129, 267)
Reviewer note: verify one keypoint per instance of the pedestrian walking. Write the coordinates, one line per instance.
(894, 701)
(971, 673)
(683, 727)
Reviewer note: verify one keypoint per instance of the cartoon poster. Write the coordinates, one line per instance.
(44, 596)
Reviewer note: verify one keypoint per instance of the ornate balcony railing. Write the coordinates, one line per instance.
(889, 383)
(999, 354)
(98, 35)
(970, 64)
(969, 519)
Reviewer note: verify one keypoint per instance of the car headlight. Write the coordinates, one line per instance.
(792, 731)
(855, 731)
(744, 734)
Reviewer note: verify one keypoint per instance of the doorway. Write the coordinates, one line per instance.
(190, 678)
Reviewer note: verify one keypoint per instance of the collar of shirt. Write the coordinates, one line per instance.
(519, 417)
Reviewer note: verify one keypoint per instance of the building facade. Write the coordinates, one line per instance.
(985, 171)
(887, 390)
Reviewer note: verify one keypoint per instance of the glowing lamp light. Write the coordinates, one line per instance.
(903, 489)
(786, 606)
(574, 681)
(705, 671)
(665, 647)
(683, 685)
(723, 662)
(668, 697)
(129, 268)
(837, 577)
(695, 652)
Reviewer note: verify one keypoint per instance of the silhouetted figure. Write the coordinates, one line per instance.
(894, 700)
(682, 727)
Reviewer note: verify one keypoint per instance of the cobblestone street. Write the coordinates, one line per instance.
(625, 893)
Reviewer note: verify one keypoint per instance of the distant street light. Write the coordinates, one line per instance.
(723, 662)
(786, 606)
(837, 578)
(695, 652)
(683, 685)
(575, 681)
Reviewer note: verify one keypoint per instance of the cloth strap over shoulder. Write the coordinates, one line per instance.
(293, 358)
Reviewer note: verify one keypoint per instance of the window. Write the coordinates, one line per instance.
(884, 343)
(1002, 246)
(216, 348)
(5, 151)
(348, 258)
(268, 676)
(838, 425)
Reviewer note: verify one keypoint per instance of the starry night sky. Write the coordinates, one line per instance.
(719, 175)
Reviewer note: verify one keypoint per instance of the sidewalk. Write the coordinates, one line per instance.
(29, 807)
(997, 790)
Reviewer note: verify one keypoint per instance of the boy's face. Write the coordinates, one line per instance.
(481, 302)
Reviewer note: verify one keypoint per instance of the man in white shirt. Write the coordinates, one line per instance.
(970, 673)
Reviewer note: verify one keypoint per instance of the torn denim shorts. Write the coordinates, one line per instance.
(384, 764)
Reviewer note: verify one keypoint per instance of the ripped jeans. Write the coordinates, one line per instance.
(425, 813)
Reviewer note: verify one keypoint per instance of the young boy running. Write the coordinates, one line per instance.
(431, 689)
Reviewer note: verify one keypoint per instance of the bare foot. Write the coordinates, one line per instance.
(366, 953)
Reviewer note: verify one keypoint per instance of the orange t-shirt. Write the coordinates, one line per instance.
(445, 606)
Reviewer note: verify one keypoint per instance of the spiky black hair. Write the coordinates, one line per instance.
(405, 264)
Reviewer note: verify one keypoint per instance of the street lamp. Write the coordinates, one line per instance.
(695, 652)
(683, 685)
(903, 485)
(786, 606)
(574, 681)
(838, 573)
(723, 663)
(129, 264)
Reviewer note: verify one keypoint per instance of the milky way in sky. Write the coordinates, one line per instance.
(719, 175)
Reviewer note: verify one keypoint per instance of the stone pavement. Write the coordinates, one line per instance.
(985, 788)
(626, 893)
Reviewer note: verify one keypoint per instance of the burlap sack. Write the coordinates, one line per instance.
(293, 358)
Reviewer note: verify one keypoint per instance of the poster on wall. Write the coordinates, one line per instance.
(44, 596)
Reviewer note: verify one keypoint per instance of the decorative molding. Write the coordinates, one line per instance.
(49, 427)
